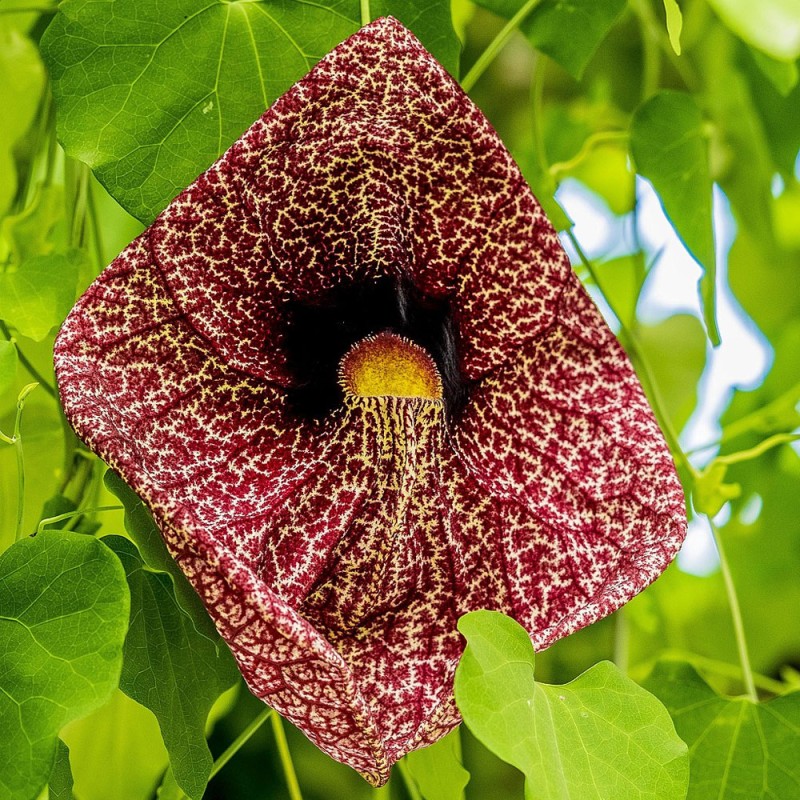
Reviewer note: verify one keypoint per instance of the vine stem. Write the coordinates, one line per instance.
(286, 758)
(43, 523)
(736, 614)
(366, 16)
(16, 441)
(237, 743)
(496, 45)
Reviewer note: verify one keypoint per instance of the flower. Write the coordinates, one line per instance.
(353, 376)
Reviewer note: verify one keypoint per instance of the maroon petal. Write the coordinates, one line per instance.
(562, 436)
(336, 554)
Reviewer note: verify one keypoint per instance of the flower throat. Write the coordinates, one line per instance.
(373, 339)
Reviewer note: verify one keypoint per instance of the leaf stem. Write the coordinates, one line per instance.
(286, 757)
(621, 640)
(758, 450)
(32, 371)
(589, 144)
(537, 108)
(658, 34)
(98, 236)
(496, 45)
(366, 16)
(651, 58)
(736, 614)
(237, 743)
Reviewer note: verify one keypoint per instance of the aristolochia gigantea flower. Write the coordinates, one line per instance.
(351, 373)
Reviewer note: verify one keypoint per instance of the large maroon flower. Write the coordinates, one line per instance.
(483, 444)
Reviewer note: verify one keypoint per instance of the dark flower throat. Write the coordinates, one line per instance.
(320, 333)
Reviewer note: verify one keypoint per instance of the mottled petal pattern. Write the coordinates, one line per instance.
(336, 553)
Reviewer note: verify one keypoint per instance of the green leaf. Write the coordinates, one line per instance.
(569, 31)
(171, 667)
(60, 785)
(437, 770)
(739, 749)
(775, 98)
(8, 365)
(621, 281)
(675, 349)
(150, 93)
(781, 74)
(144, 532)
(21, 83)
(116, 752)
(772, 25)
(599, 736)
(674, 24)
(31, 232)
(64, 607)
(39, 294)
(669, 146)
(765, 281)
(169, 789)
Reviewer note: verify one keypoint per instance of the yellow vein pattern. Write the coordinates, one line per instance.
(337, 554)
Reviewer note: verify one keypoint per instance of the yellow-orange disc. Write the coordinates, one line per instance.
(388, 365)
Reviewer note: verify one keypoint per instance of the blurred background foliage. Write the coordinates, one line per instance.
(572, 105)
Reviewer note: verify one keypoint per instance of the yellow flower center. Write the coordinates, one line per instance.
(388, 365)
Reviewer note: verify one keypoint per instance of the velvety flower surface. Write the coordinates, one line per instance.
(515, 465)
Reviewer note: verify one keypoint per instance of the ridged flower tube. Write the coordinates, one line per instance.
(353, 376)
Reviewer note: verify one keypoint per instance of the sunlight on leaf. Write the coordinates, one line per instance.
(64, 608)
(782, 74)
(770, 25)
(674, 24)
(116, 752)
(599, 736)
(738, 749)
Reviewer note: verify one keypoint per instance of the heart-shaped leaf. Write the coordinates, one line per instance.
(149, 93)
(171, 667)
(599, 737)
(739, 749)
(64, 607)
